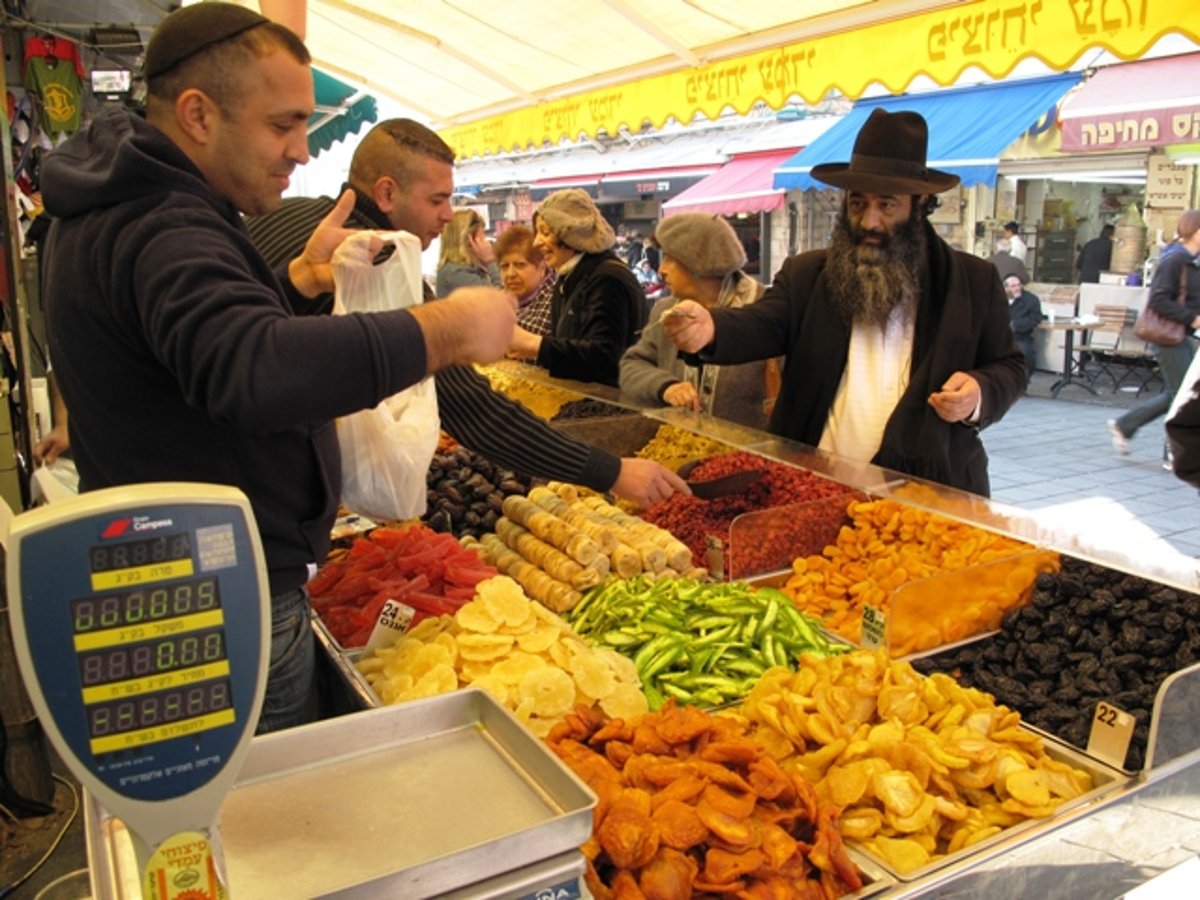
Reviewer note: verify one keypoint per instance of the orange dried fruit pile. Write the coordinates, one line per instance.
(887, 546)
(689, 807)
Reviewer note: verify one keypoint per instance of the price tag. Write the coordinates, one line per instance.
(1112, 729)
(394, 619)
(714, 556)
(874, 627)
(567, 890)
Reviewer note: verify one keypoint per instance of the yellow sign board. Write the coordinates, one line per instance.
(992, 35)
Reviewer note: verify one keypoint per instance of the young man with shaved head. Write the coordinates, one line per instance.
(402, 177)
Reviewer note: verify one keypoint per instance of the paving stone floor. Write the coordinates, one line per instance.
(1055, 457)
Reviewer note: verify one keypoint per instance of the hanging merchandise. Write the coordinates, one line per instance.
(54, 48)
(53, 73)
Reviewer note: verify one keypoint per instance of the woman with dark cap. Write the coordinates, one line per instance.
(702, 260)
(598, 306)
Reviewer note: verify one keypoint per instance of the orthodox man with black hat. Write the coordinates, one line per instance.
(181, 354)
(899, 348)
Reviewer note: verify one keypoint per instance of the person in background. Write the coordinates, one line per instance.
(702, 260)
(1179, 263)
(527, 277)
(1016, 246)
(180, 353)
(598, 306)
(899, 348)
(633, 250)
(1006, 264)
(1025, 310)
(402, 176)
(55, 442)
(1096, 256)
(467, 256)
(650, 252)
(649, 279)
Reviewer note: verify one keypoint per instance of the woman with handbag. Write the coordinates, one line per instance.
(1174, 300)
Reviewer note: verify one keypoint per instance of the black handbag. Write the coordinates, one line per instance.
(1154, 329)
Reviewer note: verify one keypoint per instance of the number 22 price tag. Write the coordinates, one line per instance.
(1112, 729)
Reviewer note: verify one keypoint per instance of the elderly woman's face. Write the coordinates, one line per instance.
(677, 278)
(521, 276)
(556, 253)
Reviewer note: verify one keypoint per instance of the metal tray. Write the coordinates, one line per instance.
(413, 800)
(347, 689)
(1105, 781)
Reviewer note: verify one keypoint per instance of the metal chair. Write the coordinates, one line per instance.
(1111, 346)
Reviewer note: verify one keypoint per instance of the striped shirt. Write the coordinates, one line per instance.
(534, 314)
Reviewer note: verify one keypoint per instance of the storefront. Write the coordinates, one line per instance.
(741, 190)
(969, 129)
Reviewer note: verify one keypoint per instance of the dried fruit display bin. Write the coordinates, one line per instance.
(1105, 779)
(1092, 635)
(343, 687)
(387, 803)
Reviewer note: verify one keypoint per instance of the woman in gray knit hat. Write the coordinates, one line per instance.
(702, 260)
(598, 306)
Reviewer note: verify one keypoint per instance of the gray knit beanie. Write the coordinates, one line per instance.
(575, 221)
(705, 245)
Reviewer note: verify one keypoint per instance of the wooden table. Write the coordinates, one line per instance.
(1073, 371)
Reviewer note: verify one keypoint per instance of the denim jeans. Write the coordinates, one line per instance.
(291, 676)
(1174, 362)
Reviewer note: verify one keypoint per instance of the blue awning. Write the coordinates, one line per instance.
(968, 128)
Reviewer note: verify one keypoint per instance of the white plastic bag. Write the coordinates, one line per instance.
(386, 451)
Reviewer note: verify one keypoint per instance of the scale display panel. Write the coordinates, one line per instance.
(141, 617)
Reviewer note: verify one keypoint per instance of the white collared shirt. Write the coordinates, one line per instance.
(877, 370)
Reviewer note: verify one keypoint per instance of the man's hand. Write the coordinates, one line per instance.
(683, 394)
(481, 248)
(524, 344)
(646, 482)
(472, 325)
(958, 399)
(689, 325)
(310, 272)
(52, 446)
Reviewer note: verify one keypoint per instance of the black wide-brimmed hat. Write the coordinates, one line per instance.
(888, 158)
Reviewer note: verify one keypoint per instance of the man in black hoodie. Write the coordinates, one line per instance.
(180, 353)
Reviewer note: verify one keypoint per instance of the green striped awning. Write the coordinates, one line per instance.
(341, 110)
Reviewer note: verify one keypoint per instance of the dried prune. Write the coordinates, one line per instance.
(1091, 634)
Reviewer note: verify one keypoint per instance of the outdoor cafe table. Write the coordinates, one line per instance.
(1073, 370)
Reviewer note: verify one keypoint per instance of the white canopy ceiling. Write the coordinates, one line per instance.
(455, 61)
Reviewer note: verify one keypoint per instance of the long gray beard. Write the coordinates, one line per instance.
(867, 283)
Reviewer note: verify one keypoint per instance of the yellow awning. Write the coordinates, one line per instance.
(991, 35)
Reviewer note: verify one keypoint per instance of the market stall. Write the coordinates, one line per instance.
(1057, 629)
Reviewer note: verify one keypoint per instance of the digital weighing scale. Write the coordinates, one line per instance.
(141, 617)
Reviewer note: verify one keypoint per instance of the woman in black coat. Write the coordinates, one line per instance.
(598, 307)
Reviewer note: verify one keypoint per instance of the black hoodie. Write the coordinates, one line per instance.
(182, 356)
